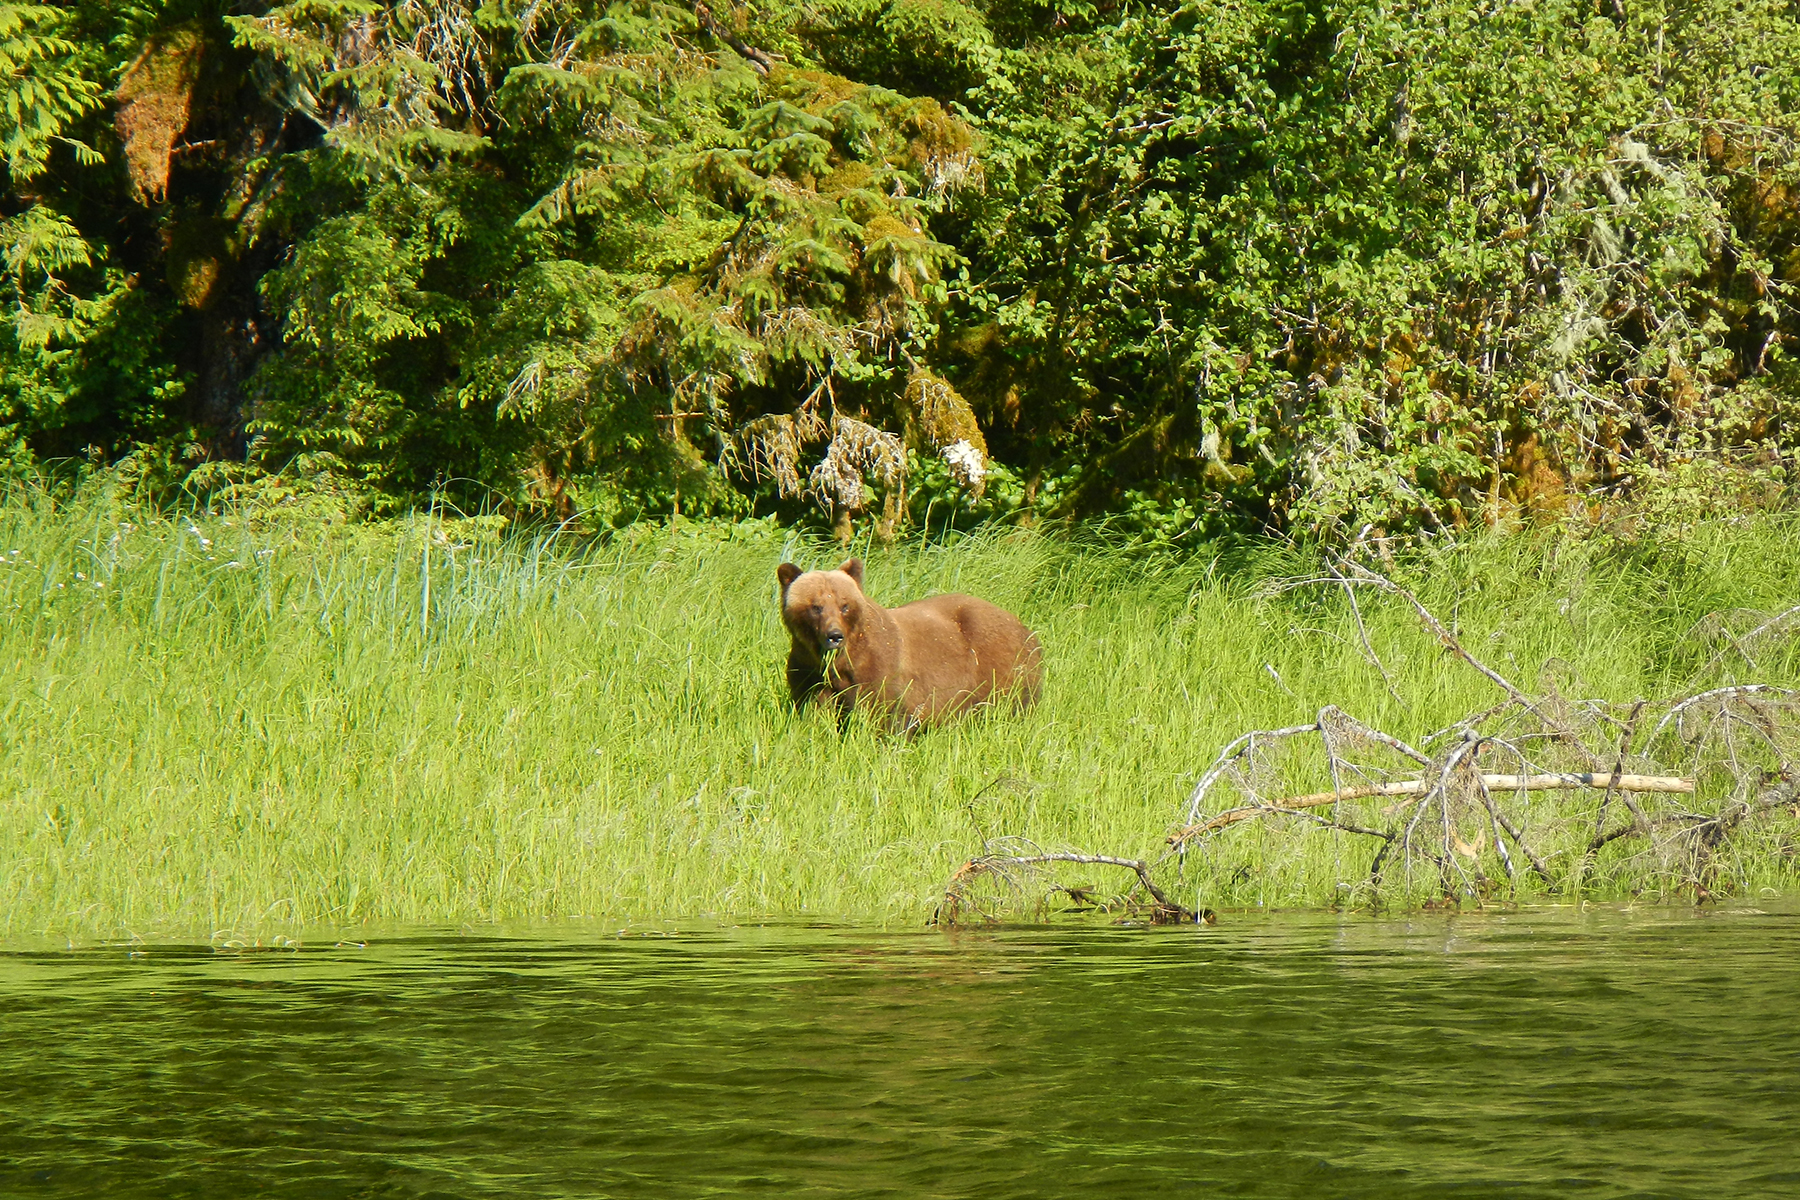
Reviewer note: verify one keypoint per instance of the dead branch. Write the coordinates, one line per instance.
(1487, 799)
(1346, 826)
(1782, 793)
(1465, 748)
(1230, 754)
(759, 60)
(1724, 693)
(1748, 732)
(1362, 631)
(1339, 716)
(1445, 638)
(1631, 725)
(1559, 745)
(1167, 911)
(1738, 643)
(1512, 831)
(1416, 787)
(1562, 781)
(1470, 722)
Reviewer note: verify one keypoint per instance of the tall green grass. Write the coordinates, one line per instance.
(258, 724)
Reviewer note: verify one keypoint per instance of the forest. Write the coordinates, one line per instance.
(1311, 267)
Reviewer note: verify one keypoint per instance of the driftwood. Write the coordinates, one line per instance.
(1415, 787)
(1742, 643)
(957, 891)
(1583, 739)
(1452, 812)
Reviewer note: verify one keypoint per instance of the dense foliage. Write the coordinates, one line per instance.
(1313, 264)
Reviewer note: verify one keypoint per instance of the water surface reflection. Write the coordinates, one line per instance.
(1653, 1053)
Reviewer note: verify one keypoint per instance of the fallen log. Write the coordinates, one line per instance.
(1419, 787)
(1167, 911)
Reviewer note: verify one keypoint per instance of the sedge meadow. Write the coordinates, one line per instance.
(1386, 415)
(251, 727)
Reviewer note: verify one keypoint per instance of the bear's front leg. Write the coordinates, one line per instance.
(905, 722)
(804, 679)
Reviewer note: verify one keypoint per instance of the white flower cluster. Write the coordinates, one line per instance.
(966, 463)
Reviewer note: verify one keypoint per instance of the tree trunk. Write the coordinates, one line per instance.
(231, 345)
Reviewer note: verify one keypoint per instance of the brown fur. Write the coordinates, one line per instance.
(916, 664)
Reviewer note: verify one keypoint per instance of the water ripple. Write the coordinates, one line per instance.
(1528, 1054)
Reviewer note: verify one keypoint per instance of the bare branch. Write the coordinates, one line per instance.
(1748, 731)
(1339, 716)
(1738, 643)
(1555, 782)
(1167, 911)
(1417, 787)
(1243, 745)
(1631, 724)
(759, 60)
(1724, 693)
(1470, 722)
(1506, 861)
(1362, 631)
(1346, 826)
(1512, 831)
(1443, 635)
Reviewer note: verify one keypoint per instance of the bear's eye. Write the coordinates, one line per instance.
(817, 609)
(845, 609)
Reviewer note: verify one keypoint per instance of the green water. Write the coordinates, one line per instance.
(1648, 1053)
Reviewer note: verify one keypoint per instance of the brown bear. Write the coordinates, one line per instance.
(916, 664)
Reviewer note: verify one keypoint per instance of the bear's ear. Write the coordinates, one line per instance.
(853, 568)
(787, 573)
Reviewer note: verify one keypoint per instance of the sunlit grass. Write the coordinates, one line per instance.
(219, 722)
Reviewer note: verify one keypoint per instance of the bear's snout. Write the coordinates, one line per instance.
(834, 638)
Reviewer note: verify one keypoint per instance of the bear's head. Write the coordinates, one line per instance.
(822, 609)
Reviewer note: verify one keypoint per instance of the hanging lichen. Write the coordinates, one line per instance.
(769, 448)
(947, 426)
(155, 97)
(943, 146)
(857, 449)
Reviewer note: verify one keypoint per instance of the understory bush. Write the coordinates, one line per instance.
(1328, 266)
